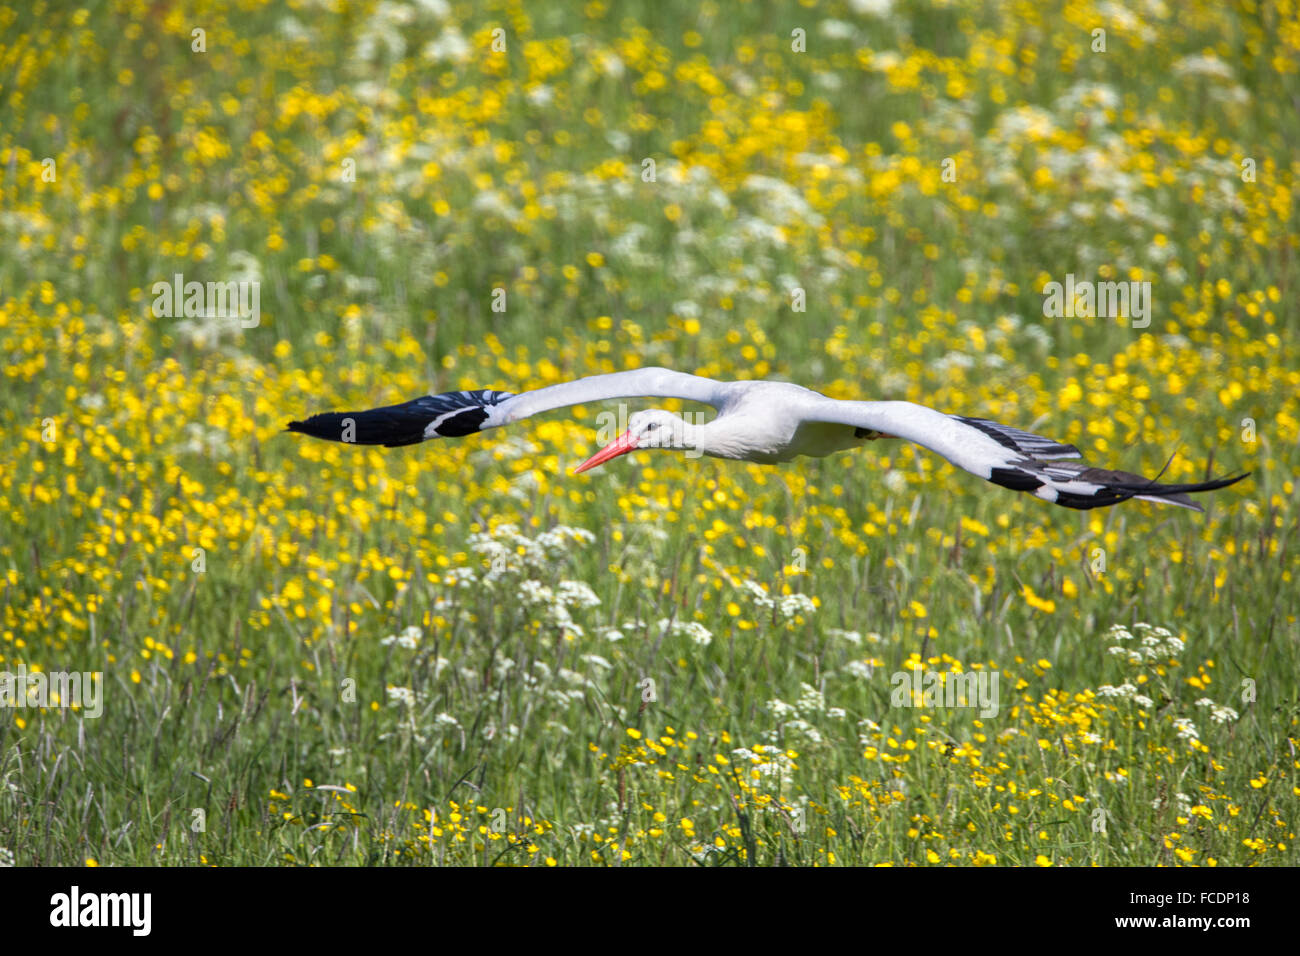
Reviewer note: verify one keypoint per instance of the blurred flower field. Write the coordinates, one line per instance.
(459, 653)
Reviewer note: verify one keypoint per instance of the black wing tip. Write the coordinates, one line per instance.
(1016, 479)
(1154, 488)
(378, 426)
(1115, 492)
(447, 415)
(1069, 499)
(312, 426)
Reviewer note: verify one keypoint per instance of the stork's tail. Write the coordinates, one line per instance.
(1078, 486)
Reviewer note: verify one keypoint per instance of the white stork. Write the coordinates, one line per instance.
(765, 422)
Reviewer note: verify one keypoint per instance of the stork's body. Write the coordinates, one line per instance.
(770, 423)
(767, 423)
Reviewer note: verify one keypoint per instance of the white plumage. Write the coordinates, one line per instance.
(765, 422)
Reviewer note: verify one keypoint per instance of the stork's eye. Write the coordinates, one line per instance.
(651, 426)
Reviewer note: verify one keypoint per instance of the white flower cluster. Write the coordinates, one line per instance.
(697, 632)
(508, 732)
(510, 552)
(1203, 65)
(804, 729)
(408, 639)
(576, 594)
(771, 762)
(866, 728)
(862, 670)
(794, 605)
(561, 687)
(1154, 643)
(445, 720)
(1185, 729)
(616, 632)
(410, 702)
(205, 440)
(811, 700)
(557, 602)
(758, 594)
(1125, 691)
(403, 696)
(1147, 645)
(781, 710)
(852, 637)
(787, 606)
(460, 578)
(1218, 714)
(793, 718)
(896, 480)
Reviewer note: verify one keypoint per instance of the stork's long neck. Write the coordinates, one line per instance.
(719, 438)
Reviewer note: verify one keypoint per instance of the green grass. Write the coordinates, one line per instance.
(235, 585)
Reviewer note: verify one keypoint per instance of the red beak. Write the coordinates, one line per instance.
(621, 445)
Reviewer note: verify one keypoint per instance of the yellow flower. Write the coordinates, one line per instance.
(1045, 605)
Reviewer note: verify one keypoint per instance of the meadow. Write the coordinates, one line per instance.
(458, 653)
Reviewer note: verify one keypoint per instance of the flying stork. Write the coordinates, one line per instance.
(765, 422)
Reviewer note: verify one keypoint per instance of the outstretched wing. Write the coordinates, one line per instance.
(1010, 457)
(1024, 443)
(453, 414)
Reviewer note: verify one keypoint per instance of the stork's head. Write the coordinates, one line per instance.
(653, 428)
